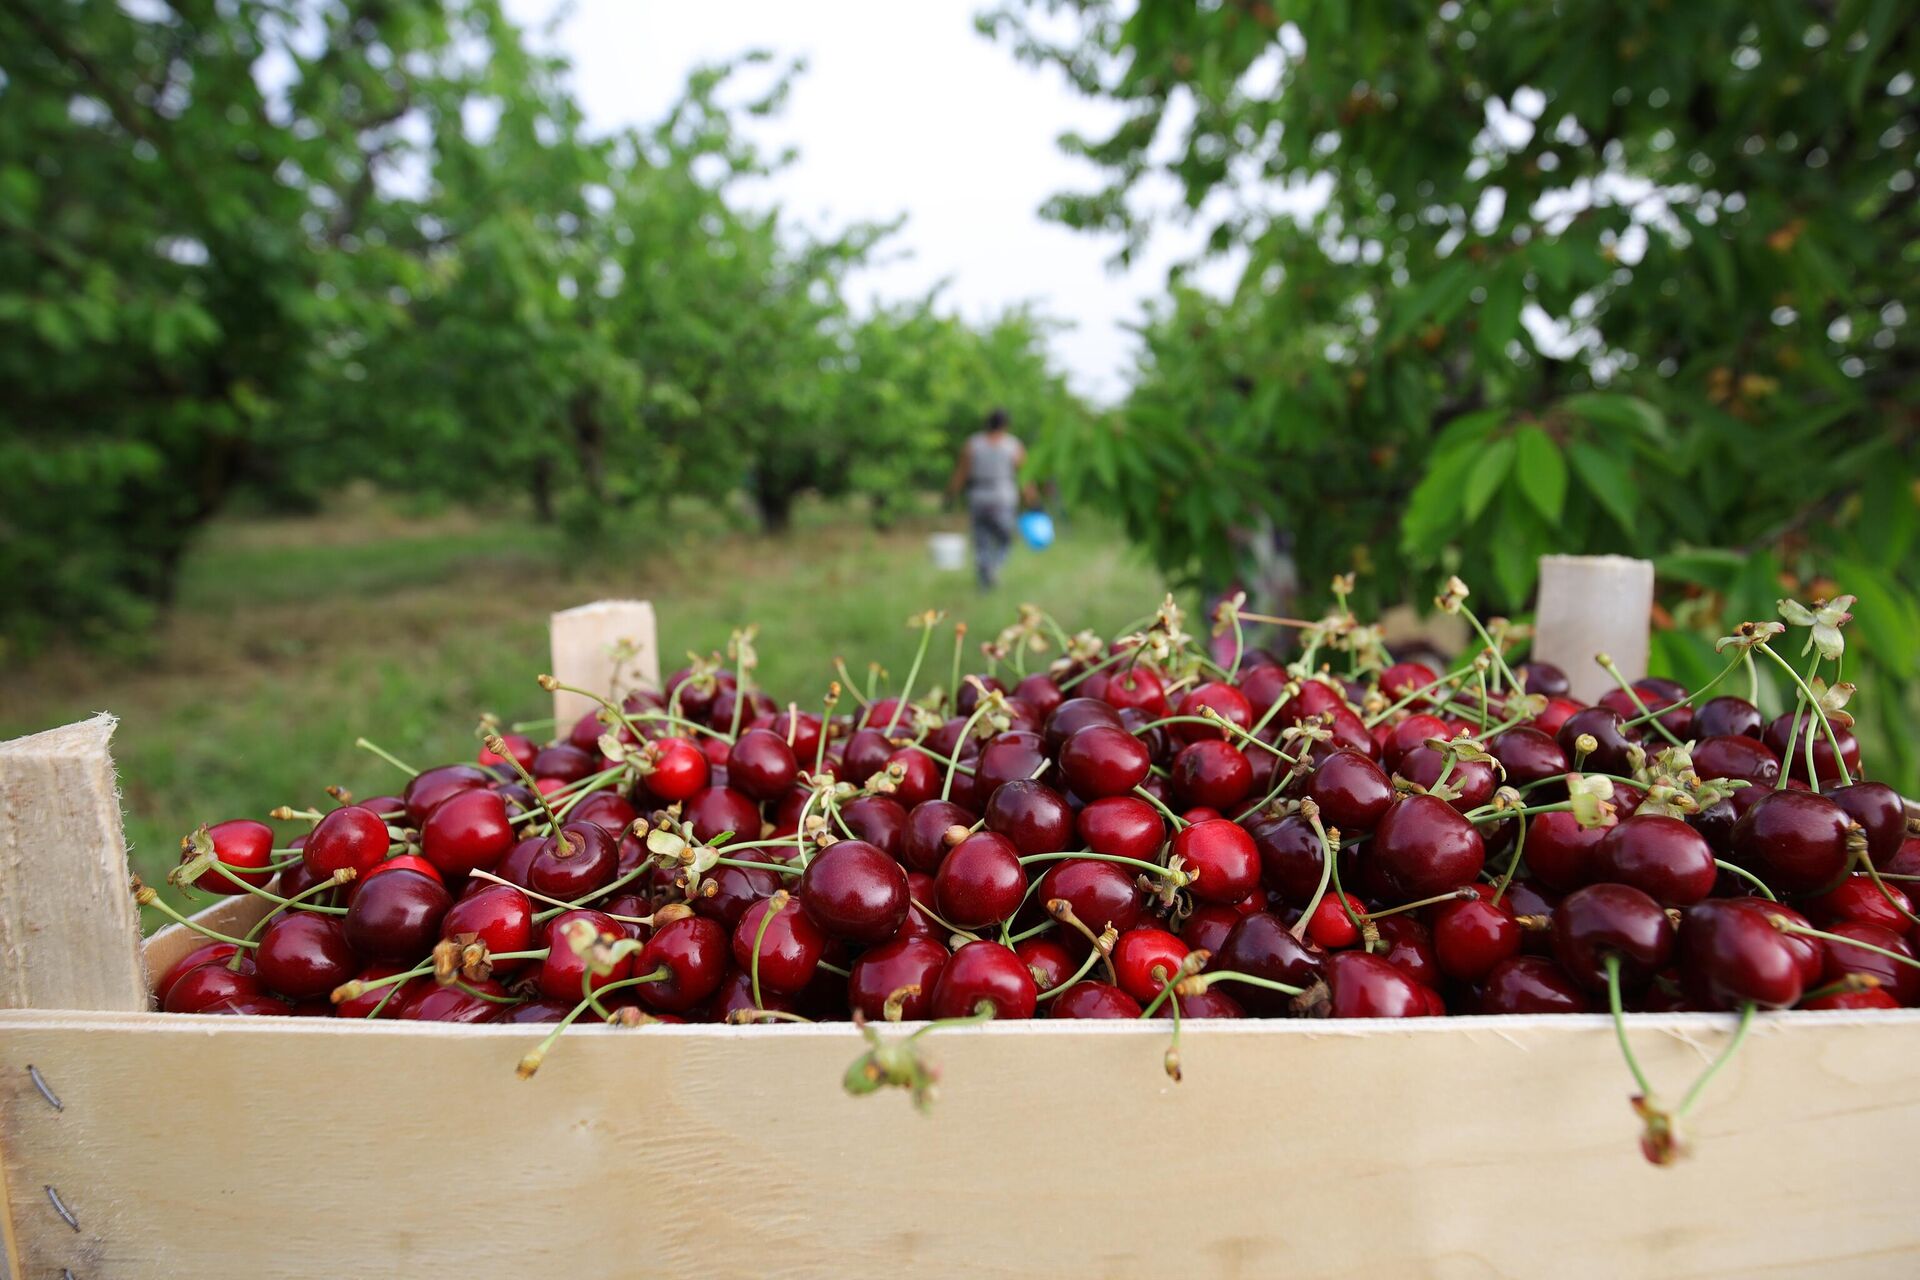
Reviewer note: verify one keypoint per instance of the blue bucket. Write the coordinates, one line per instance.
(1036, 529)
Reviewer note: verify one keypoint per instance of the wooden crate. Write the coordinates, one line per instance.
(143, 1144)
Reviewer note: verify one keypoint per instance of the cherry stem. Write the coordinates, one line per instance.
(1839, 761)
(826, 726)
(1499, 659)
(1153, 868)
(1272, 621)
(1206, 980)
(834, 969)
(146, 897)
(280, 903)
(1748, 876)
(1806, 931)
(1847, 985)
(1453, 895)
(948, 925)
(1620, 1026)
(913, 674)
(667, 717)
(1327, 856)
(846, 680)
(388, 756)
(559, 906)
(1608, 665)
(358, 987)
(1179, 823)
(1714, 1067)
(966, 732)
(1086, 966)
(1102, 665)
(1452, 677)
(1689, 699)
(1034, 932)
(571, 792)
(775, 905)
(950, 761)
(959, 642)
(337, 879)
(531, 1063)
(539, 797)
(1513, 863)
(780, 867)
(983, 1012)
(1368, 934)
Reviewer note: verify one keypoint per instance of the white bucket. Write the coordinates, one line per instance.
(949, 551)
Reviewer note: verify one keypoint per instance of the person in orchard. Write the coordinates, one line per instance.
(989, 470)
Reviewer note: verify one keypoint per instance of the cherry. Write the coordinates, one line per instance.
(391, 999)
(1808, 953)
(242, 843)
(694, 951)
(1794, 840)
(1139, 689)
(1223, 698)
(1100, 893)
(1407, 945)
(1314, 697)
(467, 830)
(1604, 920)
(933, 828)
(428, 788)
(498, 915)
(1330, 926)
(399, 862)
(1413, 732)
(1088, 999)
(1262, 946)
(347, 837)
(1212, 773)
(1730, 957)
(1048, 961)
(519, 860)
(881, 821)
(1291, 858)
(726, 892)
(1531, 984)
(1661, 856)
(885, 969)
(1422, 848)
(1732, 756)
(1472, 936)
(1901, 980)
(981, 882)
(607, 810)
(716, 811)
(1212, 1003)
(735, 993)
(674, 769)
(920, 776)
(855, 892)
(1139, 952)
(395, 915)
(791, 946)
(1032, 815)
(304, 955)
(1263, 685)
(1557, 712)
(1403, 678)
(582, 859)
(1103, 760)
(1206, 929)
(1873, 998)
(1473, 779)
(754, 703)
(250, 1006)
(201, 988)
(1543, 678)
(1560, 852)
(1122, 827)
(1858, 898)
(1607, 728)
(1881, 813)
(451, 1004)
(1041, 693)
(1221, 859)
(865, 755)
(1663, 701)
(206, 953)
(519, 747)
(1531, 899)
(1727, 717)
(984, 973)
(1824, 763)
(562, 973)
(1075, 714)
(1527, 756)
(1365, 986)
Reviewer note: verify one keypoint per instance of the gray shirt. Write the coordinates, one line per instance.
(993, 468)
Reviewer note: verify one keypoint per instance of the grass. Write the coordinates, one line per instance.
(294, 636)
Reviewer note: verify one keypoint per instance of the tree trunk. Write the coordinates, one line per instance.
(540, 481)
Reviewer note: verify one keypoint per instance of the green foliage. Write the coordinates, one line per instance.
(1524, 277)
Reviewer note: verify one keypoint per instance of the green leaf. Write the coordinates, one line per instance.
(1607, 480)
(1541, 471)
(1442, 295)
(1500, 314)
(1433, 509)
(1516, 554)
(1624, 412)
(1487, 475)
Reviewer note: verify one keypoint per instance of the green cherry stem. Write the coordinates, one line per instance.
(1620, 1026)
(386, 755)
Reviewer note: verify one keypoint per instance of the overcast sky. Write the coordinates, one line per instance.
(904, 108)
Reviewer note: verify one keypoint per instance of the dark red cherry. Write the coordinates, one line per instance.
(1206, 929)
(1902, 980)
(695, 952)
(1075, 714)
(466, 1004)
(1660, 856)
(1733, 756)
(467, 830)
(1824, 762)
(1220, 858)
(1677, 719)
(1423, 848)
(1556, 713)
(1531, 984)
(1102, 760)
(1048, 961)
(1809, 953)
(303, 955)
(1605, 726)
(563, 763)
(206, 953)
(879, 820)
(1218, 696)
(726, 892)
(880, 971)
(981, 882)
(1211, 1003)
(865, 754)
(984, 974)
(1122, 827)
(1262, 946)
(1858, 898)
(1041, 693)
(391, 1002)
(1881, 813)
(347, 837)
(395, 916)
(932, 829)
(1473, 779)
(1728, 717)
(1560, 852)
(1730, 957)
(1365, 986)
(427, 789)
(716, 811)
(1600, 920)
(1407, 945)
(498, 915)
(1472, 936)
(607, 810)
(790, 946)
(1314, 697)
(1264, 685)
(1100, 893)
(1145, 959)
(735, 994)
(1139, 689)
(1794, 840)
(1406, 678)
(574, 864)
(1088, 999)
(917, 776)
(1032, 815)
(762, 765)
(1527, 755)
(206, 987)
(1291, 858)
(1412, 733)
(1212, 773)
(1543, 678)
(855, 892)
(1875, 998)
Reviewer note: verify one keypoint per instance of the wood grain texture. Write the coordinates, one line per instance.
(610, 646)
(1589, 605)
(1470, 1147)
(69, 930)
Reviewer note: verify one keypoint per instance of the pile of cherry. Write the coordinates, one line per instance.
(1144, 828)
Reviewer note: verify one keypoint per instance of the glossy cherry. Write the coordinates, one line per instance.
(1794, 840)
(1879, 811)
(1220, 858)
(1048, 960)
(1728, 717)
(981, 882)
(1365, 986)
(1606, 727)
(1730, 957)
(855, 892)
(932, 829)
(695, 952)
(1100, 893)
(1474, 780)
(1207, 927)
(498, 915)
(880, 971)
(467, 830)
(1291, 858)
(1662, 857)
(1780, 728)
(1102, 760)
(395, 916)
(1138, 953)
(1414, 731)
(1123, 827)
(1422, 848)
(1089, 999)
(466, 1003)
(717, 811)
(1264, 947)
(790, 945)
(205, 986)
(205, 953)
(881, 821)
(1531, 984)
(1472, 936)
(1858, 898)
(981, 975)
(1035, 817)
(1138, 688)
(574, 864)
(1075, 714)
(1212, 773)
(1543, 678)
(674, 769)
(1231, 705)
(425, 790)
(347, 837)
(303, 955)
(1560, 852)
(1528, 756)
(1604, 920)
(1734, 756)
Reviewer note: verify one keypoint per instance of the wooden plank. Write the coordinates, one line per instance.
(264, 1148)
(610, 647)
(69, 930)
(1590, 605)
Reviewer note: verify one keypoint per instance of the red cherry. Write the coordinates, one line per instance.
(579, 861)
(1730, 957)
(205, 986)
(920, 776)
(1403, 678)
(467, 830)
(1557, 712)
(1677, 719)
(1138, 953)
(427, 789)
(241, 843)
(1413, 732)
(1473, 779)
(1527, 756)
(695, 952)
(981, 882)
(1351, 791)
(1781, 728)
(855, 892)
(1207, 928)
(1138, 688)
(984, 973)
(716, 811)
(1662, 857)
(1048, 961)
(497, 915)
(674, 768)
(1264, 947)
(562, 973)
(1039, 692)
(1290, 858)
(1314, 697)
(1032, 815)
(1604, 920)
(389, 1001)
(347, 837)
(1330, 927)
(604, 809)
(1607, 728)
(1093, 1000)
(395, 915)
(1560, 852)
(1902, 980)
(452, 1004)
(881, 821)
(933, 828)
(1470, 937)
(1122, 827)
(1531, 984)
(1100, 893)
(1011, 757)
(1794, 840)
(1881, 813)
(1212, 1003)
(304, 955)
(1212, 773)
(1422, 848)
(1221, 859)
(1102, 760)
(1365, 986)
(1408, 947)
(398, 862)
(1874, 998)
(206, 953)
(1859, 898)
(727, 892)
(791, 946)
(880, 971)
(1736, 757)
(1231, 704)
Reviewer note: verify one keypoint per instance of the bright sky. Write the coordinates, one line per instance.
(904, 108)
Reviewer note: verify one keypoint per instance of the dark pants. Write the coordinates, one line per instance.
(993, 528)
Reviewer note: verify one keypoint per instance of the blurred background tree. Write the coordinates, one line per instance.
(1516, 278)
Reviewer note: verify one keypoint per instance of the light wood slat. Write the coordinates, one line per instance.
(610, 647)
